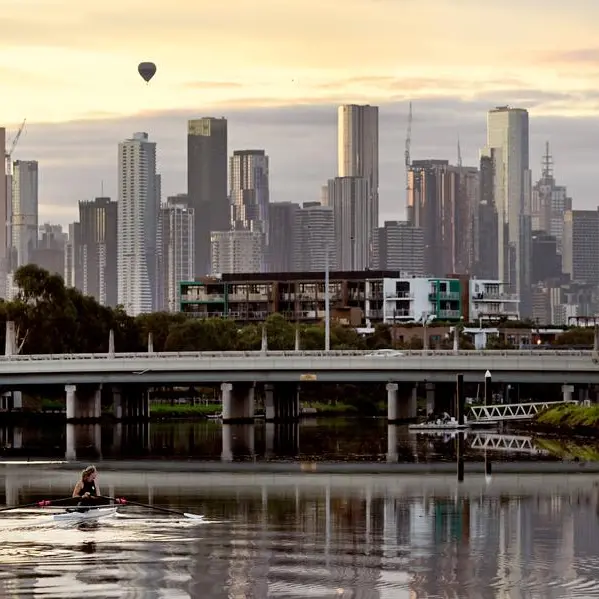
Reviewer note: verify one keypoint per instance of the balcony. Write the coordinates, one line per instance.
(495, 297)
(203, 298)
(449, 314)
(405, 295)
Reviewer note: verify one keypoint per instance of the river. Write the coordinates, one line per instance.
(298, 535)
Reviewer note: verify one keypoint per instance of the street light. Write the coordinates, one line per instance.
(327, 307)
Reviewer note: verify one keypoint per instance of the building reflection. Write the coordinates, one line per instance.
(322, 539)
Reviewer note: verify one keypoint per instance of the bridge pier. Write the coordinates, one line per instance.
(83, 403)
(281, 402)
(238, 402)
(392, 454)
(131, 402)
(281, 439)
(404, 407)
(567, 391)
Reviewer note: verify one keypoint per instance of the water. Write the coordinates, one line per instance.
(310, 536)
(358, 439)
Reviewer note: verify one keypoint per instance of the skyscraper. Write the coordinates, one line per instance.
(207, 184)
(281, 236)
(314, 238)
(507, 134)
(96, 248)
(138, 261)
(24, 210)
(358, 153)
(350, 199)
(399, 246)
(248, 190)
(237, 252)
(177, 221)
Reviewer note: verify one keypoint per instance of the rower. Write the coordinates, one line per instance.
(87, 487)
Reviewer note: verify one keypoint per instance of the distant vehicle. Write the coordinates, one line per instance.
(385, 353)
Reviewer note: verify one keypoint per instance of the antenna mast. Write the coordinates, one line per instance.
(407, 158)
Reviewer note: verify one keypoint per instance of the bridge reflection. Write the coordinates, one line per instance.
(307, 441)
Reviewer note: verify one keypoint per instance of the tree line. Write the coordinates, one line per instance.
(50, 317)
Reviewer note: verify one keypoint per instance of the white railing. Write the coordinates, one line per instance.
(511, 443)
(511, 411)
(291, 354)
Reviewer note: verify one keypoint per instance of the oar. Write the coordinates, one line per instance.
(123, 501)
(42, 503)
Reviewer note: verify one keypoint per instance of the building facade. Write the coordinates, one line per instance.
(177, 222)
(314, 239)
(349, 197)
(282, 233)
(207, 184)
(138, 238)
(358, 154)
(508, 138)
(399, 246)
(24, 224)
(580, 245)
(237, 252)
(249, 190)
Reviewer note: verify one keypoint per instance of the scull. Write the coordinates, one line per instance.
(86, 515)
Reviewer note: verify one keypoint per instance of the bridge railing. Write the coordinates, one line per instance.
(300, 354)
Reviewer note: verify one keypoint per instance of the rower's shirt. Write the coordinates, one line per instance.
(88, 487)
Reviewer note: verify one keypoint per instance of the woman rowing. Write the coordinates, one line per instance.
(87, 487)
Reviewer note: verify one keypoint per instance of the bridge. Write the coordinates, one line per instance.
(513, 366)
(512, 411)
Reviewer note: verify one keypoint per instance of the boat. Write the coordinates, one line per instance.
(79, 515)
(440, 425)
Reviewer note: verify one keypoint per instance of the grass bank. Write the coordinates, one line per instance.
(570, 418)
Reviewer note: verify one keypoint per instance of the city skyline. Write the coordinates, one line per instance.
(454, 75)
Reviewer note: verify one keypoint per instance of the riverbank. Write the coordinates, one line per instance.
(566, 420)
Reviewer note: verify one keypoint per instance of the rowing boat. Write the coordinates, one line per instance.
(86, 515)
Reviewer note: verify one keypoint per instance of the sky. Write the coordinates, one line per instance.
(278, 70)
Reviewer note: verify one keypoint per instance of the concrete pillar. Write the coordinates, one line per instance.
(71, 392)
(150, 343)
(413, 403)
(392, 443)
(117, 403)
(430, 398)
(226, 390)
(17, 437)
(10, 344)
(567, 391)
(269, 403)
(17, 400)
(249, 403)
(392, 412)
(111, 343)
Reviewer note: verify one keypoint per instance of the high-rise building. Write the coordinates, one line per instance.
(399, 246)
(508, 135)
(95, 250)
(138, 238)
(358, 153)
(549, 202)
(237, 252)
(207, 184)
(281, 236)
(24, 210)
(580, 246)
(248, 190)
(177, 220)
(314, 238)
(546, 260)
(72, 270)
(350, 199)
(49, 254)
(486, 263)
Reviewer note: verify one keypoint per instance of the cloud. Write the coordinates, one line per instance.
(581, 55)
(213, 85)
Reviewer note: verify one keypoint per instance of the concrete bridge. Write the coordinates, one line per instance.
(127, 376)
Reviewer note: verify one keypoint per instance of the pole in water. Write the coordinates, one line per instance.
(460, 456)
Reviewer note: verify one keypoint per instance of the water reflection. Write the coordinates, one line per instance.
(310, 440)
(316, 537)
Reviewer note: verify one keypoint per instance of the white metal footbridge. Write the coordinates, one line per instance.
(511, 411)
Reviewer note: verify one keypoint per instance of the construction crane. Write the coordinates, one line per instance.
(407, 158)
(8, 153)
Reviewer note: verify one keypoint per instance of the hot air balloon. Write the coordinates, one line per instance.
(147, 70)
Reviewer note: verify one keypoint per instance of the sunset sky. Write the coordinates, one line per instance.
(277, 69)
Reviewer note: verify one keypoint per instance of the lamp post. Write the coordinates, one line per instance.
(327, 306)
